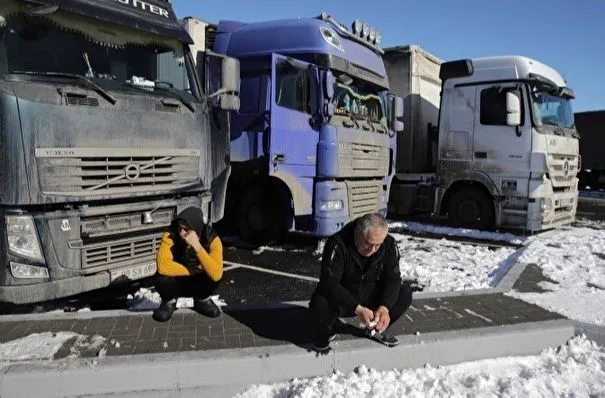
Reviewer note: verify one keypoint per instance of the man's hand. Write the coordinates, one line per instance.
(365, 315)
(383, 318)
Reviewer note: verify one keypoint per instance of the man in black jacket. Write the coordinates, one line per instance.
(360, 276)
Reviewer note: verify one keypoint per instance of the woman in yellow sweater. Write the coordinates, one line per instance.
(190, 264)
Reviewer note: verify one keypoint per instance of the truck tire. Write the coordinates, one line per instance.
(261, 217)
(471, 208)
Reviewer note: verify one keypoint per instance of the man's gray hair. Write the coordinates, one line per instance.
(367, 221)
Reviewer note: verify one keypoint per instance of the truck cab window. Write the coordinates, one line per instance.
(293, 90)
(493, 106)
(358, 100)
(29, 45)
(551, 109)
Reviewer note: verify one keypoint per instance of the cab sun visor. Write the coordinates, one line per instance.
(153, 16)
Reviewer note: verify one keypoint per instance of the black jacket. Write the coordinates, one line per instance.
(348, 279)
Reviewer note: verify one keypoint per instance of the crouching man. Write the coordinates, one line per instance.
(190, 264)
(360, 277)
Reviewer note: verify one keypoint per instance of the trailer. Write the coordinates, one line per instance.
(591, 127)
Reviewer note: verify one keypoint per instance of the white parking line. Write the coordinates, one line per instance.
(232, 265)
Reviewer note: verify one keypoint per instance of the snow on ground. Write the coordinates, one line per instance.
(442, 265)
(574, 258)
(146, 299)
(576, 369)
(596, 224)
(412, 226)
(44, 346)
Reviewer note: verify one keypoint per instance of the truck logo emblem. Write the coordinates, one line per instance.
(65, 226)
(132, 172)
(146, 7)
(566, 168)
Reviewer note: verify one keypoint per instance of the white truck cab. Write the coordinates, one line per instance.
(507, 152)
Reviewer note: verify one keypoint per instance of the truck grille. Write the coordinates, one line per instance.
(100, 226)
(363, 197)
(563, 170)
(93, 172)
(123, 252)
(362, 159)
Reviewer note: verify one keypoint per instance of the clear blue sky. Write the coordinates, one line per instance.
(569, 37)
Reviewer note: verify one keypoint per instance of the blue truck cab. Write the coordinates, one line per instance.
(311, 146)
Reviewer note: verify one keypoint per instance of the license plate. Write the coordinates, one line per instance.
(132, 273)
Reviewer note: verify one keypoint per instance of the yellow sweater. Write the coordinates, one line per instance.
(211, 262)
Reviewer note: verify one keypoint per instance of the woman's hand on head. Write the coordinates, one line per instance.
(191, 238)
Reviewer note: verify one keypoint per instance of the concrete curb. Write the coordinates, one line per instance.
(224, 372)
(593, 332)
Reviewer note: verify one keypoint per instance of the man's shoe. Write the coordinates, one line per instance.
(385, 337)
(164, 312)
(322, 341)
(206, 307)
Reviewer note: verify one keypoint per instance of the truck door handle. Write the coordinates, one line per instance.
(481, 155)
(279, 158)
(170, 102)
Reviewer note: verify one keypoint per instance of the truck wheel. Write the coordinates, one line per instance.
(261, 218)
(471, 208)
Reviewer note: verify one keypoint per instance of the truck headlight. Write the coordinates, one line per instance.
(546, 204)
(26, 271)
(22, 237)
(331, 205)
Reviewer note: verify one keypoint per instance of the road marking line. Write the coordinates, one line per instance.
(269, 271)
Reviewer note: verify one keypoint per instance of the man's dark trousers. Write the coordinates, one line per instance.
(326, 313)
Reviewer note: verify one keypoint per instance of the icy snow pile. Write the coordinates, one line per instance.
(576, 369)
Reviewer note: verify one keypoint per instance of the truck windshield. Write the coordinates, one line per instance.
(552, 110)
(357, 99)
(36, 45)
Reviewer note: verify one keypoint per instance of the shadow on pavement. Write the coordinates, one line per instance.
(293, 324)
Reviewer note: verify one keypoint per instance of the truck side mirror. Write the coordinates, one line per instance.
(513, 109)
(230, 82)
(397, 107)
(397, 113)
(329, 81)
(228, 88)
(230, 78)
(328, 87)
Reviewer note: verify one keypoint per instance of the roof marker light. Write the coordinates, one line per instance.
(331, 37)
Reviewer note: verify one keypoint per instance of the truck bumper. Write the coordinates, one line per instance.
(44, 291)
(555, 211)
(77, 264)
(335, 204)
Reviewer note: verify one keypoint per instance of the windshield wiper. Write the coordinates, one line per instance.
(101, 91)
(170, 89)
(550, 123)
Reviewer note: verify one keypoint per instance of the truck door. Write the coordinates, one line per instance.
(219, 135)
(293, 138)
(455, 149)
(500, 151)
